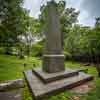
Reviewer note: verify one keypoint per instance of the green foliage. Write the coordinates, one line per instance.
(83, 41)
(68, 55)
(37, 50)
(34, 26)
(14, 20)
(97, 24)
(2, 50)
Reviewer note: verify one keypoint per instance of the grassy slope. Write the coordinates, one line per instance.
(12, 68)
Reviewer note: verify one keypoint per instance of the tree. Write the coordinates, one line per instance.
(77, 42)
(97, 24)
(68, 16)
(13, 20)
(34, 27)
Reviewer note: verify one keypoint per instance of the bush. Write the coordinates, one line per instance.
(68, 55)
(37, 50)
(2, 50)
(8, 50)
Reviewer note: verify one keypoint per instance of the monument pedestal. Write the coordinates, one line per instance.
(42, 84)
(48, 77)
(53, 63)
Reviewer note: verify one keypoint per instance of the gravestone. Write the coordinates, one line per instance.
(52, 78)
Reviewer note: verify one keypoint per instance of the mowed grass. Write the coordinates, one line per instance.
(12, 68)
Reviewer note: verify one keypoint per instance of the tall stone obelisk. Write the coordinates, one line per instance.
(53, 58)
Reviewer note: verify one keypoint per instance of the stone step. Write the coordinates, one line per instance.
(12, 95)
(50, 77)
(40, 90)
(11, 85)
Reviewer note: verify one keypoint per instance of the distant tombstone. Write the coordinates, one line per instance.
(53, 58)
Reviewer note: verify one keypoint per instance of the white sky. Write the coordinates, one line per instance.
(84, 18)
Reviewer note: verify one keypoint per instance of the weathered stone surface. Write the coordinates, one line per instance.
(53, 35)
(53, 63)
(84, 89)
(14, 84)
(53, 58)
(48, 77)
(40, 90)
(14, 95)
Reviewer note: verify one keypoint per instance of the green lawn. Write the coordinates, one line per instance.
(12, 68)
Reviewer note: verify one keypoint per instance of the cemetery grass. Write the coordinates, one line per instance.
(12, 68)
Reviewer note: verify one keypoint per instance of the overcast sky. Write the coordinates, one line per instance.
(89, 9)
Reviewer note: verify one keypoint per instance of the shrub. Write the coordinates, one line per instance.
(37, 50)
(68, 55)
(2, 50)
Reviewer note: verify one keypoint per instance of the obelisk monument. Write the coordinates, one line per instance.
(53, 58)
(52, 78)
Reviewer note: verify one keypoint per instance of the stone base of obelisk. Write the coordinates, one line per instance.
(53, 63)
(42, 84)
